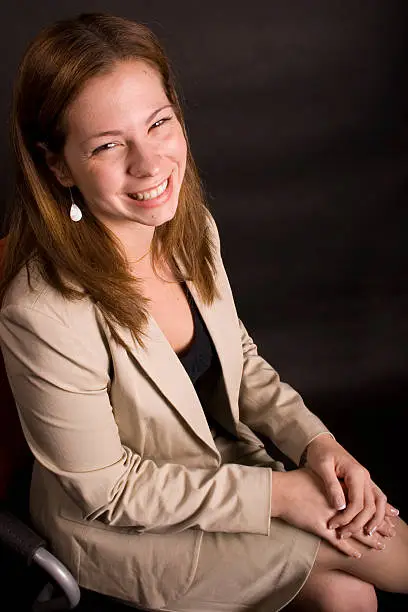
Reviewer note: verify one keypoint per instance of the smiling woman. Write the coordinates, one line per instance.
(139, 390)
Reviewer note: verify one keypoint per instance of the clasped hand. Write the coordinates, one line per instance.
(348, 485)
(335, 498)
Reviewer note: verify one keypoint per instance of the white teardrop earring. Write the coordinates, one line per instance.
(75, 212)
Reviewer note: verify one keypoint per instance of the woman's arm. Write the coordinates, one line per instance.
(60, 384)
(273, 408)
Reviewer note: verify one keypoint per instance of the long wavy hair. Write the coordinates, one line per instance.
(56, 66)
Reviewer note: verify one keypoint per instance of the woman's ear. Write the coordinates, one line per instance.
(57, 166)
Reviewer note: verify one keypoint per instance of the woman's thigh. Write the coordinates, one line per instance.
(334, 591)
(386, 569)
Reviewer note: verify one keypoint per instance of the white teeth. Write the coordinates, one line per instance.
(149, 195)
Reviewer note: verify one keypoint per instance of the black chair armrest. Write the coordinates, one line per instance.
(18, 537)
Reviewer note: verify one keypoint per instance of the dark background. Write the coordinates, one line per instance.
(297, 115)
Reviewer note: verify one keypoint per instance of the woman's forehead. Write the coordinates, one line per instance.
(132, 89)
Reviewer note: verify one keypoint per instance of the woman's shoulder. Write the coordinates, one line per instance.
(27, 288)
(31, 292)
(35, 314)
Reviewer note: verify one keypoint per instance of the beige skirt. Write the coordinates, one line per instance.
(251, 572)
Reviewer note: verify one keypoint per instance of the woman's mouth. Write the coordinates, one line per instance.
(153, 196)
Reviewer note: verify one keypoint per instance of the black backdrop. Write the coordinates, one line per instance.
(297, 115)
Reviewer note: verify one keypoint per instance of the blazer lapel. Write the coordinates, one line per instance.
(161, 364)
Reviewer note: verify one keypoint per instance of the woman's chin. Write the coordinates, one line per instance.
(157, 216)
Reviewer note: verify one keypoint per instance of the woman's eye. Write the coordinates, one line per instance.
(104, 147)
(160, 122)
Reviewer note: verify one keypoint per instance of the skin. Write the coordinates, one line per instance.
(148, 147)
(348, 486)
(339, 583)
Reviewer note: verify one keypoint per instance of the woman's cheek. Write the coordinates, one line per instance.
(174, 142)
(104, 178)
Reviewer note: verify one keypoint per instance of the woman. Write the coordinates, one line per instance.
(137, 386)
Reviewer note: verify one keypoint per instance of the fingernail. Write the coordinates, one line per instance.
(372, 530)
(394, 511)
(333, 526)
(392, 533)
(356, 555)
(339, 503)
(380, 546)
(345, 534)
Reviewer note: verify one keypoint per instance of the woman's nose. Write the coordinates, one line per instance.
(144, 161)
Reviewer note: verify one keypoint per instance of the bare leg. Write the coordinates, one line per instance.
(332, 591)
(338, 583)
(386, 569)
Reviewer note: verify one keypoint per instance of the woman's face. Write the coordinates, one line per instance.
(125, 149)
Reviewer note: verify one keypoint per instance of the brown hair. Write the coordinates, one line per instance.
(55, 67)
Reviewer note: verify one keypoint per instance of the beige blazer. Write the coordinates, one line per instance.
(127, 476)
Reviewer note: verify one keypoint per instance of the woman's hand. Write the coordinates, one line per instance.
(299, 498)
(349, 488)
(387, 527)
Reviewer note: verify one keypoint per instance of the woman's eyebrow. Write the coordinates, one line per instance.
(156, 112)
(119, 132)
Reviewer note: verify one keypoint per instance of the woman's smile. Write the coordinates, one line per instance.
(153, 197)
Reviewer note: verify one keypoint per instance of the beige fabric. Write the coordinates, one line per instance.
(128, 480)
(243, 572)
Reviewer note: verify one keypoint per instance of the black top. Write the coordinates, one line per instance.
(200, 355)
(201, 361)
(202, 364)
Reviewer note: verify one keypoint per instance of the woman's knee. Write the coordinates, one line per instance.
(386, 569)
(334, 591)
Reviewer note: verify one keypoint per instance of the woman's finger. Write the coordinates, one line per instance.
(390, 510)
(387, 528)
(376, 541)
(357, 524)
(354, 546)
(379, 515)
(354, 481)
(344, 546)
(334, 490)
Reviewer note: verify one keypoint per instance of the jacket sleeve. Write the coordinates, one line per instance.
(271, 407)
(60, 385)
